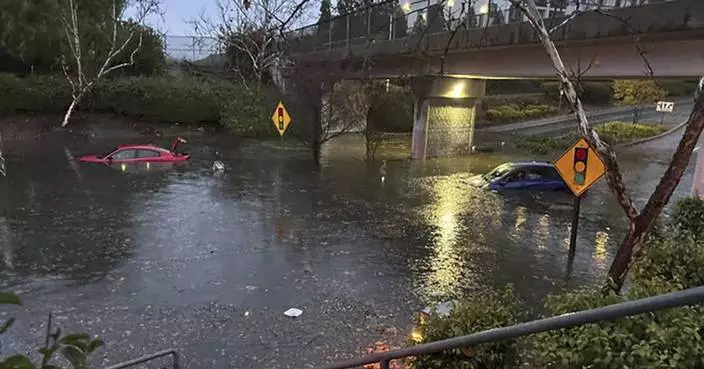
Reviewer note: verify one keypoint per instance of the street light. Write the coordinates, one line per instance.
(484, 9)
(457, 90)
(406, 6)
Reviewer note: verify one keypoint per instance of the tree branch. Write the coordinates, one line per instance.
(613, 175)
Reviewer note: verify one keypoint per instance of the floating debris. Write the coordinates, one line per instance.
(293, 312)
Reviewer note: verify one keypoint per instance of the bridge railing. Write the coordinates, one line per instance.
(400, 19)
(691, 296)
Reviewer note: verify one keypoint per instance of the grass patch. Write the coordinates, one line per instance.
(614, 133)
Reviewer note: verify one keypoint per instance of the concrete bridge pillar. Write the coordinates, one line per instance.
(444, 115)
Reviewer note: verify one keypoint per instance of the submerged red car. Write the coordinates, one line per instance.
(139, 153)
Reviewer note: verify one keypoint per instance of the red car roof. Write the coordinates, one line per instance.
(141, 146)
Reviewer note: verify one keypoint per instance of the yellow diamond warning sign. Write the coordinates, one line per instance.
(281, 118)
(580, 167)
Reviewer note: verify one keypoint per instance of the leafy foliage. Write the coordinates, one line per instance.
(637, 92)
(615, 132)
(75, 348)
(160, 99)
(247, 113)
(32, 37)
(391, 111)
(665, 339)
(596, 92)
(513, 113)
(479, 311)
(688, 218)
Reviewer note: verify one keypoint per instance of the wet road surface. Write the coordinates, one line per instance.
(150, 258)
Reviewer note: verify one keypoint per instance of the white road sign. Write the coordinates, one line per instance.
(665, 106)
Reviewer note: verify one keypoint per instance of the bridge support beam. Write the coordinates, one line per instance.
(444, 115)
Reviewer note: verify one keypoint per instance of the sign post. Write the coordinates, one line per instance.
(580, 167)
(664, 107)
(281, 120)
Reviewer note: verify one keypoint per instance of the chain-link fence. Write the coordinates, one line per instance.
(192, 48)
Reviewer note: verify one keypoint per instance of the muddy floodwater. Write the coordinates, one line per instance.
(158, 256)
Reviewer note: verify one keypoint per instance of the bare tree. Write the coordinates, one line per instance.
(252, 36)
(84, 67)
(639, 222)
(327, 108)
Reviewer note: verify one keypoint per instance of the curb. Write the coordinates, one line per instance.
(644, 140)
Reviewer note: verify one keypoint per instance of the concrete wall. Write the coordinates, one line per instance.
(444, 116)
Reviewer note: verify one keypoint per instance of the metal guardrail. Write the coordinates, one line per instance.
(690, 296)
(389, 20)
(141, 360)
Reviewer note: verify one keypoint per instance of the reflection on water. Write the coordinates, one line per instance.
(445, 263)
(602, 239)
(271, 233)
(543, 231)
(518, 227)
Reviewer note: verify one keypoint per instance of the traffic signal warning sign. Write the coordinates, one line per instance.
(580, 167)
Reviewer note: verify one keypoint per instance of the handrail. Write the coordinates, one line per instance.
(674, 299)
(144, 359)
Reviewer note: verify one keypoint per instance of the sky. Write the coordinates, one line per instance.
(179, 12)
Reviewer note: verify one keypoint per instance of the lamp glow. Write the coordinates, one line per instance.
(457, 90)
(484, 9)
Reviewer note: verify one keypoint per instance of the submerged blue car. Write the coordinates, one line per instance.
(535, 176)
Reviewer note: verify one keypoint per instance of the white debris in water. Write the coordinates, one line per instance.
(293, 312)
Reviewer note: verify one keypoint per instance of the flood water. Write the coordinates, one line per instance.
(156, 257)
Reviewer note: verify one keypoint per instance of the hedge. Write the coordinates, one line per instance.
(601, 92)
(615, 132)
(597, 92)
(513, 113)
(394, 109)
(187, 101)
(664, 339)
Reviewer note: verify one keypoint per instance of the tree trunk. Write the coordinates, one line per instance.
(640, 226)
(74, 104)
(70, 110)
(316, 104)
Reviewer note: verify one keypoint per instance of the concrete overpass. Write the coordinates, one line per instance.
(609, 43)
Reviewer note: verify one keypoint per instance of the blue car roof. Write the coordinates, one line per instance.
(532, 163)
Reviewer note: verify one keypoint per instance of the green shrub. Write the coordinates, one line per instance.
(612, 132)
(480, 311)
(669, 264)
(544, 145)
(512, 86)
(161, 99)
(43, 94)
(392, 111)
(74, 349)
(247, 113)
(688, 218)
(513, 113)
(678, 87)
(618, 132)
(664, 339)
(490, 102)
(597, 93)
(189, 101)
